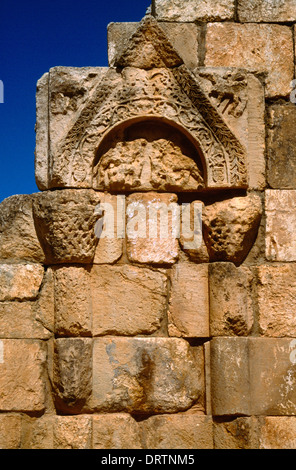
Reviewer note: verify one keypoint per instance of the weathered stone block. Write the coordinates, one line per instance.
(10, 431)
(151, 220)
(188, 314)
(20, 281)
(18, 239)
(232, 45)
(178, 431)
(65, 223)
(116, 431)
(280, 225)
(268, 11)
(281, 142)
(146, 375)
(206, 10)
(277, 432)
(240, 433)
(22, 320)
(72, 372)
(229, 376)
(183, 37)
(231, 300)
(37, 433)
(127, 300)
(72, 301)
(231, 227)
(277, 300)
(42, 137)
(22, 375)
(73, 432)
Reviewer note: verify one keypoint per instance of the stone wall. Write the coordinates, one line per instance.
(140, 342)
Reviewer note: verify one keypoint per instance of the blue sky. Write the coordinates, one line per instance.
(35, 36)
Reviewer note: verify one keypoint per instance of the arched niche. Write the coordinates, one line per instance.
(149, 153)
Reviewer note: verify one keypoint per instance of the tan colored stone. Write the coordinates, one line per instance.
(183, 37)
(205, 10)
(22, 375)
(230, 376)
(115, 431)
(65, 223)
(268, 11)
(127, 300)
(72, 372)
(146, 375)
(18, 239)
(41, 129)
(45, 304)
(232, 45)
(277, 300)
(178, 431)
(280, 225)
(277, 432)
(281, 161)
(191, 238)
(151, 219)
(72, 301)
(231, 227)
(73, 432)
(10, 431)
(37, 433)
(240, 433)
(231, 300)
(20, 281)
(188, 314)
(21, 320)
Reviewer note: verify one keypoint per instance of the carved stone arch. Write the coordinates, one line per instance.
(174, 157)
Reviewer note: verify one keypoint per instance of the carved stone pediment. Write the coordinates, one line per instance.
(145, 125)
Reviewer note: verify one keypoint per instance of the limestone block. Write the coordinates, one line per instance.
(231, 300)
(22, 375)
(240, 433)
(239, 98)
(231, 227)
(205, 10)
(41, 129)
(116, 431)
(178, 431)
(182, 36)
(232, 45)
(20, 281)
(10, 431)
(127, 300)
(109, 229)
(188, 314)
(280, 225)
(45, 304)
(151, 222)
(277, 432)
(191, 239)
(146, 375)
(281, 141)
(72, 301)
(269, 11)
(73, 432)
(18, 239)
(72, 372)
(65, 222)
(37, 433)
(22, 320)
(229, 376)
(277, 300)
(257, 373)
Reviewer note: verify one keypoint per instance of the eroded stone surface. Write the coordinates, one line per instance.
(232, 45)
(145, 375)
(65, 222)
(22, 375)
(20, 281)
(280, 225)
(240, 433)
(231, 300)
(231, 226)
(10, 431)
(266, 11)
(205, 10)
(116, 431)
(277, 432)
(127, 300)
(73, 432)
(188, 314)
